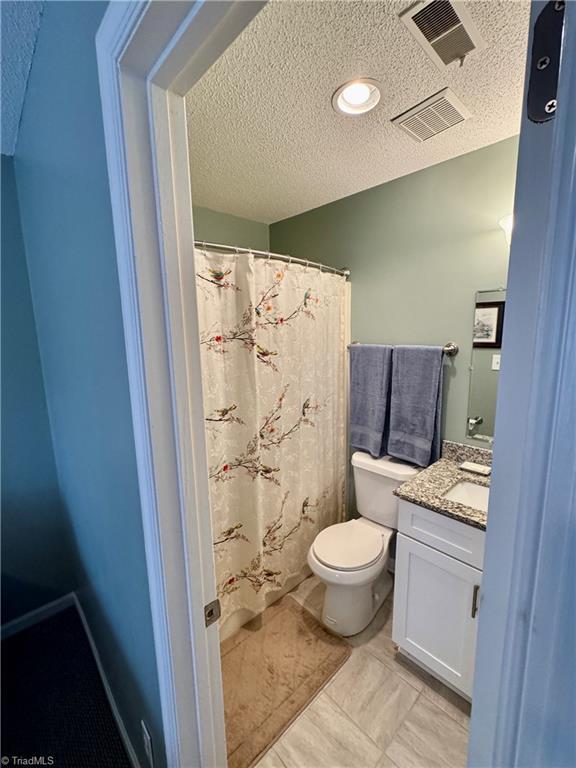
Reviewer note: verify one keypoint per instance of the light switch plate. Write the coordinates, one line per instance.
(496, 362)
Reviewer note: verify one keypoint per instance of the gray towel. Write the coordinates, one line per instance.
(416, 404)
(370, 366)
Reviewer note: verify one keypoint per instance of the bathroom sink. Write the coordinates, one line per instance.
(470, 494)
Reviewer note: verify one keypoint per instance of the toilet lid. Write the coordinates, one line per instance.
(348, 546)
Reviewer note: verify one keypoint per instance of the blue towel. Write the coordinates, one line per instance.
(370, 366)
(416, 404)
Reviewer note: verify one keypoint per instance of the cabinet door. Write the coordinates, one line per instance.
(435, 611)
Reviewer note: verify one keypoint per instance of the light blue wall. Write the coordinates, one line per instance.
(37, 554)
(226, 229)
(419, 248)
(65, 206)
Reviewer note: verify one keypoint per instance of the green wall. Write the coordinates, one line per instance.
(484, 381)
(418, 248)
(484, 390)
(226, 229)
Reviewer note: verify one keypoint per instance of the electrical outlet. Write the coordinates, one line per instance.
(147, 739)
(496, 362)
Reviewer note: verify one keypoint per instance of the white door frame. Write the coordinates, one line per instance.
(149, 56)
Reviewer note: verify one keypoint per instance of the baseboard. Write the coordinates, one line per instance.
(51, 609)
(113, 706)
(37, 615)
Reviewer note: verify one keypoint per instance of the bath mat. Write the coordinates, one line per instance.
(271, 670)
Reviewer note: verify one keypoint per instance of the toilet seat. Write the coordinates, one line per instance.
(351, 546)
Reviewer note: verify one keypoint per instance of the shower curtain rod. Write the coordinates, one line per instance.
(271, 255)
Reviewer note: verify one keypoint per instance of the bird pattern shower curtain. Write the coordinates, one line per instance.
(273, 337)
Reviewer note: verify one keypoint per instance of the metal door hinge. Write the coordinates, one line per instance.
(545, 62)
(212, 612)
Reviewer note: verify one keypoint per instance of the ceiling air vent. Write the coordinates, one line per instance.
(432, 116)
(445, 30)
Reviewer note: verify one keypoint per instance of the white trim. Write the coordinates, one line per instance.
(120, 18)
(37, 615)
(109, 695)
(149, 55)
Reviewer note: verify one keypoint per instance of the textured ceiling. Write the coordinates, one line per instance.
(265, 142)
(20, 22)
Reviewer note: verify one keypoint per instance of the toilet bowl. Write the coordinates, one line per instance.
(352, 558)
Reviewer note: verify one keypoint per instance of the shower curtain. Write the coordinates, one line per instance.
(273, 337)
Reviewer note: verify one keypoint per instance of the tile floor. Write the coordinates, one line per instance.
(378, 711)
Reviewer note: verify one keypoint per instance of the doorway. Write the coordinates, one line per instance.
(171, 78)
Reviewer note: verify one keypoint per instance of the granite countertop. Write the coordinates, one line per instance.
(427, 489)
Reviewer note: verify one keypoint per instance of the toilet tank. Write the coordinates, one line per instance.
(374, 482)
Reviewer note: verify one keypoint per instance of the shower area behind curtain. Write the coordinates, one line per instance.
(274, 368)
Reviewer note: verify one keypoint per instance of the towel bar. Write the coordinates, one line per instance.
(450, 349)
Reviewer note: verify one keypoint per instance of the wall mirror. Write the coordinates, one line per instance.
(488, 320)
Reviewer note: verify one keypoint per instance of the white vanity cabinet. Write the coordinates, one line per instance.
(437, 593)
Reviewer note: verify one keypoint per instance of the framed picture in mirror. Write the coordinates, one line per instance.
(488, 323)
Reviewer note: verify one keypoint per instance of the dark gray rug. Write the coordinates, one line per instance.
(53, 701)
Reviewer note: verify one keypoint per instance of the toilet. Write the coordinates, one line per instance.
(352, 558)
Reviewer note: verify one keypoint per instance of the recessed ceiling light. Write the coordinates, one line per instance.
(356, 97)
